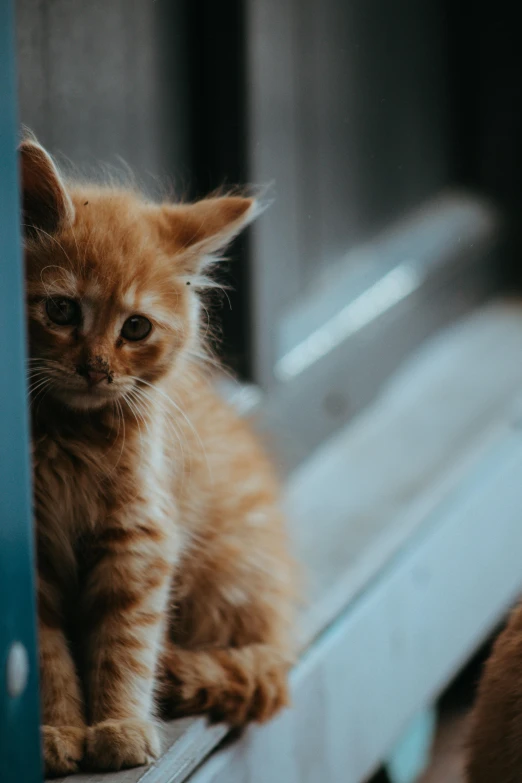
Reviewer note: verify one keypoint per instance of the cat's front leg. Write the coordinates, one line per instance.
(63, 729)
(126, 599)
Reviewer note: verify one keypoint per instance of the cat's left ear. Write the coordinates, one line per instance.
(196, 231)
(46, 203)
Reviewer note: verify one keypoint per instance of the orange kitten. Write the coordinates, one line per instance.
(163, 572)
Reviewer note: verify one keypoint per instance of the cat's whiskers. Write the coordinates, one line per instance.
(37, 362)
(37, 383)
(175, 432)
(143, 401)
(41, 390)
(135, 413)
(32, 372)
(168, 421)
(124, 429)
(109, 475)
(43, 395)
(41, 369)
(184, 416)
(203, 356)
(121, 418)
(114, 409)
(115, 415)
(32, 376)
(136, 400)
(39, 377)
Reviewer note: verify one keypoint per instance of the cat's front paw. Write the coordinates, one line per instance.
(63, 749)
(257, 698)
(245, 684)
(120, 744)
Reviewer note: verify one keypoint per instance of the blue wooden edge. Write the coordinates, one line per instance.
(411, 755)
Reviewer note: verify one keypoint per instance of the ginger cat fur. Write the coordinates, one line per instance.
(164, 578)
(495, 741)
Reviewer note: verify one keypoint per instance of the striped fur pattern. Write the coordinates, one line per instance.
(164, 578)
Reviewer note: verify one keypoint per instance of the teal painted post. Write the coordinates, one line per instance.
(19, 707)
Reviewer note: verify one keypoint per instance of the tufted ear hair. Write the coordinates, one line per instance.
(195, 231)
(46, 205)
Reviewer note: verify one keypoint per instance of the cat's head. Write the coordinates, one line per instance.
(112, 281)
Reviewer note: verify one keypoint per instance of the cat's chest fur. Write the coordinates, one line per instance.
(72, 487)
(84, 484)
(75, 487)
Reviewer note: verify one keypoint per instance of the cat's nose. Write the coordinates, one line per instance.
(92, 376)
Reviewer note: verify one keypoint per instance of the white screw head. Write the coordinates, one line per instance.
(17, 670)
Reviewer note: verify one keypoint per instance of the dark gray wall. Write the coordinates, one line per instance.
(103, 79)
(372, 118)
(351, 118)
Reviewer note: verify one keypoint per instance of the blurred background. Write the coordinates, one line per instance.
(388, 138)
(354, 114)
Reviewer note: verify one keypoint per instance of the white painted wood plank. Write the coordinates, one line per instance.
(184, 740)
(399, 643)
(368, 485)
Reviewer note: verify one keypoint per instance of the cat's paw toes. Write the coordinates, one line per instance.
(63, 749)
(120, 744)
(253, 699)
(270, 695)
(245, 695)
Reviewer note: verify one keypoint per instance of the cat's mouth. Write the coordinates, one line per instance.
(82, 394)
(88, 398)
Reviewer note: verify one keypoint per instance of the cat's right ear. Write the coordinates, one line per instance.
(46, 205)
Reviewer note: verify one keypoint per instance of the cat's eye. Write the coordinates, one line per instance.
(135, 328)
(63, 311)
